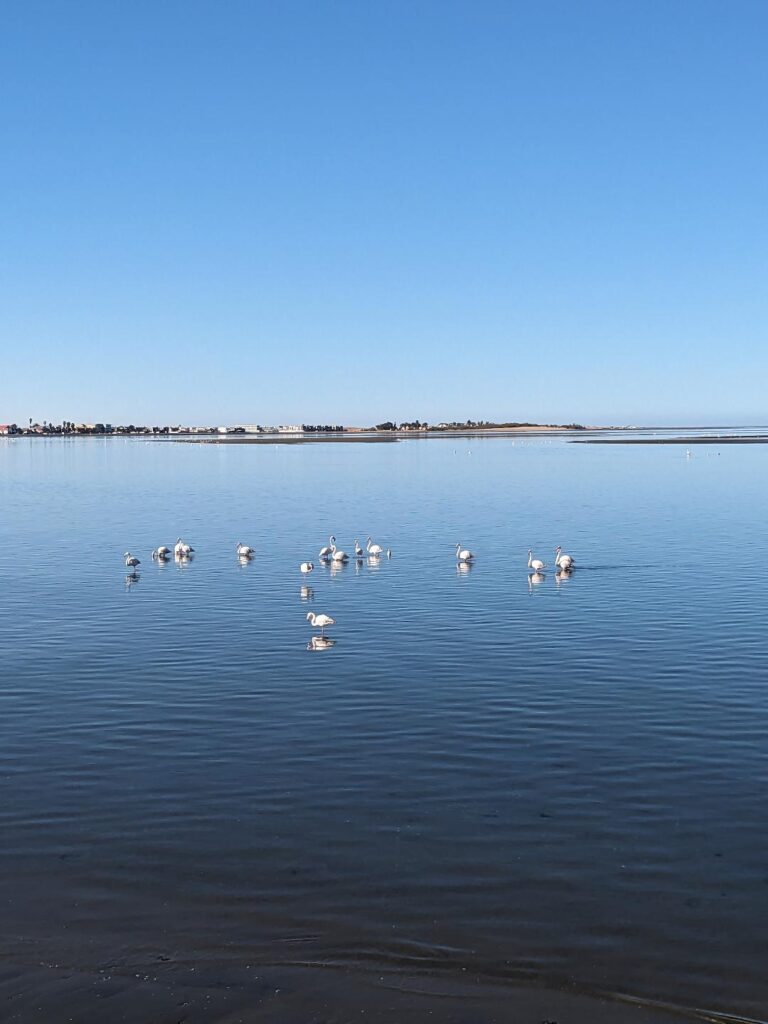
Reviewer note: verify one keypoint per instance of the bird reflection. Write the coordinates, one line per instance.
(534, 579)
(464, 568)
(131, 578)
(563, 574)
(243, 560)
(320, 643)
(337, 567)
(307, 594)
(374, 561)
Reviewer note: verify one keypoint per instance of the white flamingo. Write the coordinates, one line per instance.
(161, 553)
(358, 550)
(463, 554)
(563, 561)
(306, 567)
(244, 551)
(338, 556)
(373, 549)
(131, 561)
(320, 620)
(181, 549)
(326, 551)
(535, 563)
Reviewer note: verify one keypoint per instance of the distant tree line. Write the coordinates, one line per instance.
(405, 425)
(471, 425)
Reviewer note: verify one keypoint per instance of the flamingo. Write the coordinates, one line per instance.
(244, 551)
(563, 561)
(320, 620)
(306, 567)
(338, 556)
(182, 549)
(463, 554)
(131, 561)
(161, 553)
(535, 563)
(373, 549)
(327, 551)
(358, 550)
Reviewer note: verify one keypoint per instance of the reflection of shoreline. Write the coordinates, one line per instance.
(725, 439)
(388, 437)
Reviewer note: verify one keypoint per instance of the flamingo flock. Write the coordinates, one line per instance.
(331, 555)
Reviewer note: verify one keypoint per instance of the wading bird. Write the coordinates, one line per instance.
(535, 563)
(326, 551)
(373, 549)
(306, 567)
(161, 553)
(131, 561)
(320, 620)
(244, 551)
(463, 554)
(563, 561)
(338, 556)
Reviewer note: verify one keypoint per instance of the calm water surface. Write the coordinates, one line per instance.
(560, 783)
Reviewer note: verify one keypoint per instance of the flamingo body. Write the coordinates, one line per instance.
(563, 561)
(535, 563)
(320, 620)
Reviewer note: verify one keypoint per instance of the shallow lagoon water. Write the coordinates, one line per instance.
(558, 784)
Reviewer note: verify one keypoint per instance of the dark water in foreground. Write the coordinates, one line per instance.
(557, 783)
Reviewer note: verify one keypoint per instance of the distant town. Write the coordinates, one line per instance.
(69, 428)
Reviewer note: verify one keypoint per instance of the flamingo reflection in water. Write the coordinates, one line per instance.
(534, 579)
(320, 643)
(563, 574)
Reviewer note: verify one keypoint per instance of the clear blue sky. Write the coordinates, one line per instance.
(354, 210)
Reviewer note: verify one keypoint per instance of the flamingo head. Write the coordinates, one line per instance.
(310, 616)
